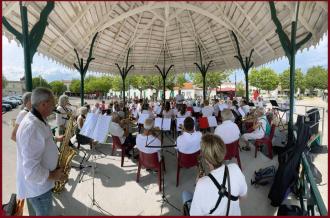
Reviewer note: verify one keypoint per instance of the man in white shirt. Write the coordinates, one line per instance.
(37, 155)
(62, 116)
(207, 110)
(189, 141)
(179, 98)
(119, 129)
(228, 130)
(259, 129)
(147, 142)
(27, 107)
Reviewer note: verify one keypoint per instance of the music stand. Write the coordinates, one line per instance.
(277, 109)
(162, 147)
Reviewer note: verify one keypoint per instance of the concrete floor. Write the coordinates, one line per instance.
(116, 191)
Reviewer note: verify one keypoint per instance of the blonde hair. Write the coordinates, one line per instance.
(226, 114)
(213, 149)
(83, 110)
(63, 99)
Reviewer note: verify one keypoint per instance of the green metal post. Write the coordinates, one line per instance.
(26, 48)
(82, 94)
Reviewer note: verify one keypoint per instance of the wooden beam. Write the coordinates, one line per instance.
(12, 6)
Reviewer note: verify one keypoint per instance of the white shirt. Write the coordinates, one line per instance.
(187, 114)
(228, 131)
(206, 193)
(168, 114)
(37, 155)
(189, 143)
(141, 143)
(207, 111)
(179, 98)
(196, 109)
(216, 108)
(96, 110)
(260, 131)
(61, 118)
(20, 116)
(116, 130)
(246, 109)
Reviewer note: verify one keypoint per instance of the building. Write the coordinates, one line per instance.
(67, 83)
(14, 88)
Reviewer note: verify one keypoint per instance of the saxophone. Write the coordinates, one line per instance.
(66, 155)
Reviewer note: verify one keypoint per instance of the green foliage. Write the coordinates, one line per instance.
(316, 78)
(180, 80)
(299, 80)
(39, 82)
(58, 87)
(117, 84)
(75, 86)
(97, 84)
(213, 80)
(4, 82)
(240, 89)
(265, 79)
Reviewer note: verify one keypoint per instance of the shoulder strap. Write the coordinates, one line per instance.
(222, 190)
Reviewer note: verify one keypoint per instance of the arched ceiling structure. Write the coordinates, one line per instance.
(149, 28)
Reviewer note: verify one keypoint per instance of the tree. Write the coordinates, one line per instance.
(39, 82)
(75, 86)
(213, 80)
(316, 78)
(240, 89)
(98, 84)
(138, 82)
(180, 80)
(58, 87)
(4, 82)
(299, 80)
(265, 79)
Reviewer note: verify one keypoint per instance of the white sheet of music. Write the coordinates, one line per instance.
(179, 121)
(197, 109)
(240, 110)
(101, 129)
(212, 121)
(142, 118)
(89, 125)
(166, 123)
(222, 106)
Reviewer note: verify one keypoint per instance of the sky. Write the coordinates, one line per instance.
(13, 63)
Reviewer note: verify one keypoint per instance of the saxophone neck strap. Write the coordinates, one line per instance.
(222, 190)
(36, 113)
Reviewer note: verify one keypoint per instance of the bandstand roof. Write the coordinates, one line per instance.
(149, 28)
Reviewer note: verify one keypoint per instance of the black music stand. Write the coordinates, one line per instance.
(277, 109)
(162, 147)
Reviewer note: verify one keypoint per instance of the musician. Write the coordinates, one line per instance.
(62, 117)
(228, 131)
(260, 102)
(189, 141)
(183, 112)
(96, 109)
(147, 110)
(102, 107)
(179, 98)
(206, 193)
(26, 108)
(216, 107)
(167, 111)
(37, 155)
(259, 127)
(80, 122)
(207, 110)
(120, 129)
(244, 106)
(149, 139)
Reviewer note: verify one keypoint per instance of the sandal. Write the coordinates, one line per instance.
(246, 148)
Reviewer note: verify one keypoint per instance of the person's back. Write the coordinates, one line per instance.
(189, 141)
(206, 193)
(207, 110)
(228, 130)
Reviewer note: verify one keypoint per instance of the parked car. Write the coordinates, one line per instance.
(6, 107)
(11, 103)
(13, 100)
(17, 98)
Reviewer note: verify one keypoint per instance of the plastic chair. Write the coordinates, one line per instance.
(186, 161)
(117, 144)
(232, 150)
(267, 140)
(150, 161)
(203, 123)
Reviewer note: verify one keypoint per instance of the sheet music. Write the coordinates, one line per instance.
(180, 120)
(222, 106)
(101, 129)
(197, 109)
(240, 110)
(142, 118)
(166, 123)
(158, 110)
(212, 121)
(89, 125)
